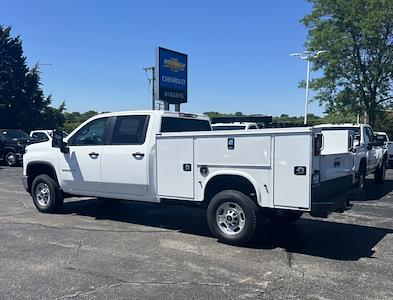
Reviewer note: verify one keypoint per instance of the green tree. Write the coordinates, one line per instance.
(74, 119)
(358, 65)
(22, 101)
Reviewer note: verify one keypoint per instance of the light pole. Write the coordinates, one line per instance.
(152, 82)
(307, 55)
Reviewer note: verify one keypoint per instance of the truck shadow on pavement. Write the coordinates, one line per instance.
(375, 191)
(322, 238)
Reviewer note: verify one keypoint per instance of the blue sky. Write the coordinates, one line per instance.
(238, 51)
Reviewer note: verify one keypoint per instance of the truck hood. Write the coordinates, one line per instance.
(23, 141)
(39, 146)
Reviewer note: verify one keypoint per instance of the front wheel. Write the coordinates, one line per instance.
(232, 217)
(46, 194)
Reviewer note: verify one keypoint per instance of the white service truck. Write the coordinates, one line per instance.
(241, 177)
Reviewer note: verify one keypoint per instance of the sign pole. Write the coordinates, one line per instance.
(153, 78)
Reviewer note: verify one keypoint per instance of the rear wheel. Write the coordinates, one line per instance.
(10, 159)
(46, 194)
(232, 217)
(283, 217)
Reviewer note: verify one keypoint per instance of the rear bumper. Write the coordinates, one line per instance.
(330, 196)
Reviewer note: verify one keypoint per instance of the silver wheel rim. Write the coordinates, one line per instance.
(42, 194)
(230, 218)
(11, 159)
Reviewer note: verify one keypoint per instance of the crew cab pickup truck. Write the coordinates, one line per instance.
(369, 153)
(12, 145)
(242, 177)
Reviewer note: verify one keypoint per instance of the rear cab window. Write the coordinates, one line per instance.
(173, 124)
(239, 127)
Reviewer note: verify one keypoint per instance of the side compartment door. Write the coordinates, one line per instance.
(80, 168)
(175, 167)
(125, 160)
(292, 171)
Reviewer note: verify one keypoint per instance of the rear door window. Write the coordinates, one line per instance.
(130, 130)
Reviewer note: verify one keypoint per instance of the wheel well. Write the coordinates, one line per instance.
(33, 170)
(229, 182)
(8, 149)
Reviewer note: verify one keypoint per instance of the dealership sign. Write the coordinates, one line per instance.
(171, 67)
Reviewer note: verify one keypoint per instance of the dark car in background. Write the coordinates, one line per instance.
(12, 145)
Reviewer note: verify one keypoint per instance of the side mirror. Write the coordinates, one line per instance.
(57, 141)
(356, 141)
(369, 146)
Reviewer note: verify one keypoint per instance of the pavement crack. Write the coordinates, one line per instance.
(158, 283)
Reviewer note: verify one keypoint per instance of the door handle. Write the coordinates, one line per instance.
(138, 155)
(93, 155)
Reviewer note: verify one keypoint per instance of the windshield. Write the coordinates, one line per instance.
(229, 128)
(14, 133)
(382, 137)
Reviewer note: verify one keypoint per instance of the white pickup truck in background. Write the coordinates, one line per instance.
(387, 146)
(235, 126)
(369, 155)
(242, 177)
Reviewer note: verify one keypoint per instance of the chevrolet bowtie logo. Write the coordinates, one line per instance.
(174, 65)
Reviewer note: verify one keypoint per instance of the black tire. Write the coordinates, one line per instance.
(379, 174)
(238, 206)
(283, 217)
(361, 182)
(10, 159)
(55, 199)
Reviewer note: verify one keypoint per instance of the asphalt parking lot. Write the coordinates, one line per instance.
(113, 249)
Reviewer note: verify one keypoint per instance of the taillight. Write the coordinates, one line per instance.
(317, 144)
(316, 177)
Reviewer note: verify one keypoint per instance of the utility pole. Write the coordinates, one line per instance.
(307, 55)
(152, 82)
